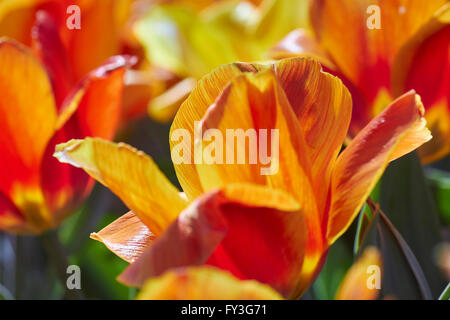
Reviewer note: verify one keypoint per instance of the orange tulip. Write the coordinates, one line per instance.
(204, 283)
(274, 228)
(86, 48)
(37, 192)
(360, 282)
(382, 49)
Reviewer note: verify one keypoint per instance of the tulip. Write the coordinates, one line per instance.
(191, 42)
(204, 283)
(276, 228)
(37, 192)
(382, 49)
(86, 48)
(360, 282)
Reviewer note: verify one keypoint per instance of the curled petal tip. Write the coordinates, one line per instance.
(62, 149)
(114, 63)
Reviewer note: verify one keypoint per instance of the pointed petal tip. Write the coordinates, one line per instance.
(62, 149)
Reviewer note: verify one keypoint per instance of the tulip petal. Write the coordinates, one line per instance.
(192, 110)
(27, 119)
(204, 283)
(50, 49)
(164, 107)
(101, 87)
(438, 119)
(127, 237)
(10, 217)
(239, 228)
(180, 40)
(423, 64)
(131, 175)
(277, 18)
(348, 31)
(258, 102)
(85, 48)
(323, 107)
(96, 98)
(399, 129)
(300, 43)
(355, 285)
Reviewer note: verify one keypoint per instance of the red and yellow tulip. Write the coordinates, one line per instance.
(276, 228)
(410, 50)
(39, 108)
(105, 30)
(209, 283)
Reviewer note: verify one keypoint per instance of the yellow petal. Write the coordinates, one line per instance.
(180, 40)
(127, 237)
(204, 283)
(193, 109)
(28, 121)
(357, 283)
(399, 129)
(277, 18)
(438, 120)
(131, 175)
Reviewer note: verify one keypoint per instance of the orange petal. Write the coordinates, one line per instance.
(101, 87)
(204, 283)
(399, 129)
(323, 107)
(80, 116)
(131, 175)
(357, 283)
(86, 49)
(365, 55)
(27, 119)
(239, 229)
(127, 237)
(193, 109)
(257, 102)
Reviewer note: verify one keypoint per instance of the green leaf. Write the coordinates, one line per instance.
(410, 258)
(365, 220)
(339, 260)
(445, 295)
(399, 281)
(100, 268)
(407, 201)
(440, 186)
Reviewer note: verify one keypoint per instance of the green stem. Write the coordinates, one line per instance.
(58, 258)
